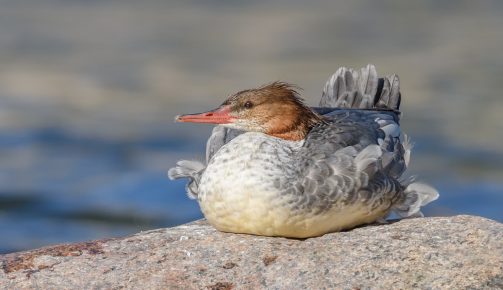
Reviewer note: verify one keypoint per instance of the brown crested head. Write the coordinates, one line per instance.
(275, 109)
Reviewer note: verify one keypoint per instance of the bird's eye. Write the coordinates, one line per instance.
(248, 105)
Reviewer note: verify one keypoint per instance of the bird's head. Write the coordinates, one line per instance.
(274, 109)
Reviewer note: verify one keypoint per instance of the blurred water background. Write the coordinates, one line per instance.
(89, 90)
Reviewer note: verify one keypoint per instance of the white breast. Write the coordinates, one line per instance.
(242, 184)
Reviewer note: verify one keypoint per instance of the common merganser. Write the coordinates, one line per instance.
(277, 167)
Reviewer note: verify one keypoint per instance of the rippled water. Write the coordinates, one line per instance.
(89, 89)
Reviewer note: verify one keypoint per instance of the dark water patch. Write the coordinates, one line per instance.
(19, 200)
(9, 250)
(111, 218)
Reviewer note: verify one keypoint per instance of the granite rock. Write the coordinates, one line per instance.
(427, 253)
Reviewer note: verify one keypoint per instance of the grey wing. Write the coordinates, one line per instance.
(361, 128)
(356, 155)
(346, 177)
(350, 175)
(219, 137)
(385, 131)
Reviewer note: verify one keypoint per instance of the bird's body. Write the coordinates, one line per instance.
(337, 168)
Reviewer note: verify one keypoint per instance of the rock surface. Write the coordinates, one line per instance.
(435, 253)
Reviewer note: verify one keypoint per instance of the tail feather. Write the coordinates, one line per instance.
(191, 170)
(407, 148)
(368, 80)
(369, 160)
(416, 195)
(390, 93)
(361, 89)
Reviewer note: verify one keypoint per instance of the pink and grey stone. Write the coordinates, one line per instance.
(460, 252)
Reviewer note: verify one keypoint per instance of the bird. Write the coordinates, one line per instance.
(277, 167)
